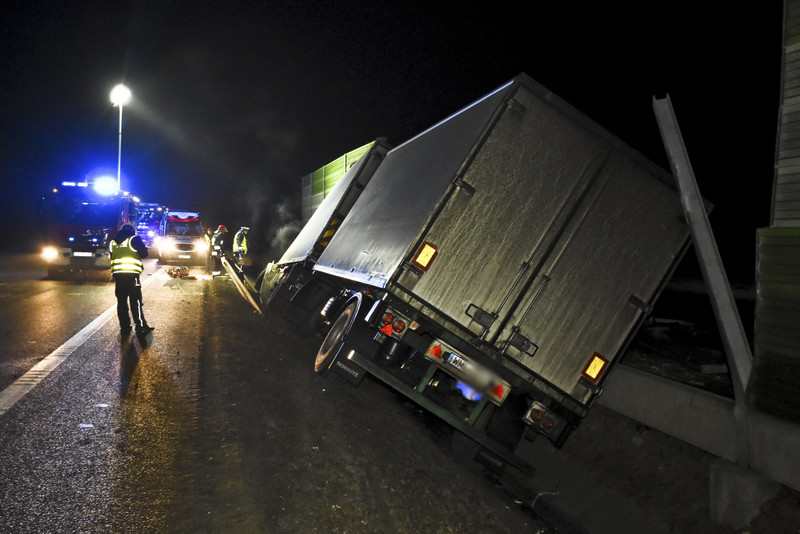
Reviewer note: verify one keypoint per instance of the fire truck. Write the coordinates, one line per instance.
(80, 220)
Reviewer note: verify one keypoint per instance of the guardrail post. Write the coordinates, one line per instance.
(734, 339)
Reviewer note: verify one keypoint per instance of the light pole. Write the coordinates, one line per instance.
(120, 95)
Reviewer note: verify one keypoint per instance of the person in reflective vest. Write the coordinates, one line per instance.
(127, 251)
(207, 236)
(217, 242)
(240, 243)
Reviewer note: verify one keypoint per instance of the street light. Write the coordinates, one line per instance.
(120, 95)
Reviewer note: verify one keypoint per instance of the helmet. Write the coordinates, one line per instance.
(245, 228)
(128, 227)
(221, 228)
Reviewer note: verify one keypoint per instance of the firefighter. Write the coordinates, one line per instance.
(217, 242)
(127, 252)
(240, 243)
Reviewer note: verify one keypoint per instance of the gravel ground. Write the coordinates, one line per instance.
(615, 475)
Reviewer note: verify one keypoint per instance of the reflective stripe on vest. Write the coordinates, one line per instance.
(124, 258)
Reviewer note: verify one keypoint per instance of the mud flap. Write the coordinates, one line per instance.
(359, 339)
(347, 369)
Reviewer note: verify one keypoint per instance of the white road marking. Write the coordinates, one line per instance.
(25, 383)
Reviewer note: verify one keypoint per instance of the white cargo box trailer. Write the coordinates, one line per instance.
(287, 285)
(496, 266)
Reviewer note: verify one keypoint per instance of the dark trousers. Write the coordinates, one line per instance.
(129, 288)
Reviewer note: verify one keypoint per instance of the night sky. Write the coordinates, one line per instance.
(235, 101)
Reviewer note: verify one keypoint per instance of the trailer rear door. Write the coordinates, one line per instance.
(555, 245)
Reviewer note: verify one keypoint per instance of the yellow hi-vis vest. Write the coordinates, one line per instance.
(124, 258)
(240, 243)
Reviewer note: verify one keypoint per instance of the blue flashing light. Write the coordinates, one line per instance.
(94, 240)
(71, 239)
(68, 184)
(150, 233)
(105, 185)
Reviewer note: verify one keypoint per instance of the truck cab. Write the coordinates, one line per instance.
(80, 219)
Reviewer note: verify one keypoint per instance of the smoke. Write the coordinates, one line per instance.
(284, 236)
(286, 225)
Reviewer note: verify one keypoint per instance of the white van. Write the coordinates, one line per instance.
(180, 238)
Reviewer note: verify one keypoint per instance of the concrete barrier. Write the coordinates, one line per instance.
(775, 449)
(704, 420)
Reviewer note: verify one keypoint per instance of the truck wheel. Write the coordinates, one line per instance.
(334, 341)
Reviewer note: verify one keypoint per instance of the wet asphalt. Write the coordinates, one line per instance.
(217, 423)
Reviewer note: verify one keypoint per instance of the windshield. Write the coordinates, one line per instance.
(187, 228)
(76, 211)
(150, 216)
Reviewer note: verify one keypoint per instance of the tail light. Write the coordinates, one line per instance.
(392, 324)
(543, 420)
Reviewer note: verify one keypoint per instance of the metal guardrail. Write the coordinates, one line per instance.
(240, 285)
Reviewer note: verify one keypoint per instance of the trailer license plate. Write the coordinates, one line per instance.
(82, 254)
(457, 362)
(479, 377)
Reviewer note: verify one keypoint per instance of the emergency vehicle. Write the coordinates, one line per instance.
(80, 219)
(150, 215)
(180, 238)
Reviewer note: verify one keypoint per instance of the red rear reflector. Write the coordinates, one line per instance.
(387, 330)
(498, 391)
(436, 352)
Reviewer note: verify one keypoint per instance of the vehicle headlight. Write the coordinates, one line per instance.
(49, 253)
(201, 245)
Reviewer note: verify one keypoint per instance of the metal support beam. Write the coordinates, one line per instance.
(734, 339)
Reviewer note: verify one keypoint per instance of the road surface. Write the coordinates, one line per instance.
(214, 423)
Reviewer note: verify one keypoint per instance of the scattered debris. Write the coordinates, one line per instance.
(180, 272)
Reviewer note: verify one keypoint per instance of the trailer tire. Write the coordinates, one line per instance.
(315, 321)
(334, 342)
